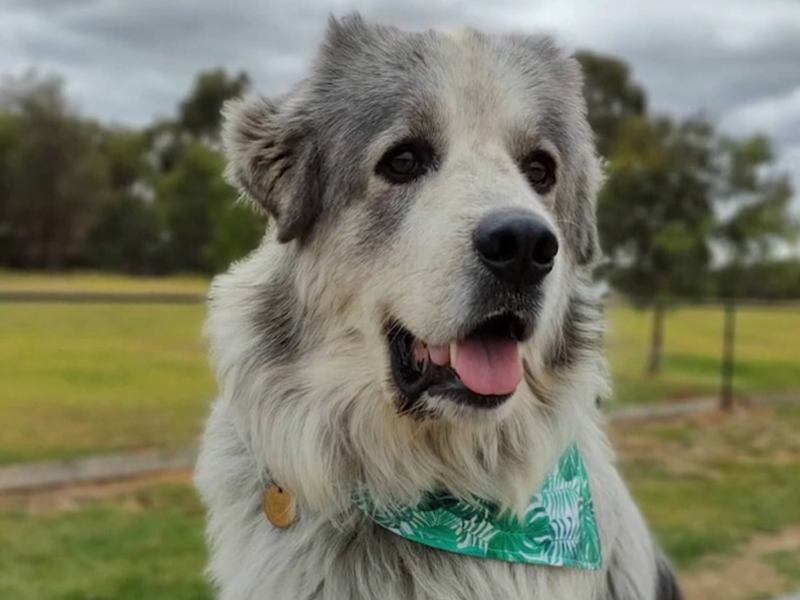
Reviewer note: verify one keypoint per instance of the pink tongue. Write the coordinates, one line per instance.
(489, 367)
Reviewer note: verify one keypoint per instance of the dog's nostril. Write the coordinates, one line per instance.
(501, 248)
(545, 249)
(517, 246)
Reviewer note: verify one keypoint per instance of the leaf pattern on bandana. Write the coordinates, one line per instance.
(558, 529)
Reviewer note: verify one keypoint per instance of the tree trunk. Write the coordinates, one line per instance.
(656, 340)
(729, 340)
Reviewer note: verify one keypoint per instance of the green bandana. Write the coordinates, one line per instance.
(559, 528)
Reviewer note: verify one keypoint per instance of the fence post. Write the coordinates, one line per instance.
(728, 356)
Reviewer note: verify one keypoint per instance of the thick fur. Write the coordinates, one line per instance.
(306, 399)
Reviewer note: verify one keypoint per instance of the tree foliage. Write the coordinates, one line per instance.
(152, 200)
(54, 176)
(199, 114)
(754, 206)
(677, 192)
(612, 96)
(656, 211)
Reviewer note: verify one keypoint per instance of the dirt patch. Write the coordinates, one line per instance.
(746, 574)
(695, 445)
(73, 497)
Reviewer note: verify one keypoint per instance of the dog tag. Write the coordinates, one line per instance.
(280, 506)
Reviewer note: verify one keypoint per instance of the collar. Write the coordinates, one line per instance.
(559, 527)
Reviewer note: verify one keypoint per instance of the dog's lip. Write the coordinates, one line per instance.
(413, 376)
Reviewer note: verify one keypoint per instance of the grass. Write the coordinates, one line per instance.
(142, 370)
(706, 485)
(77, 379)
(147, 545)
(767, 352)
(100, 282)
(787, 564)
(710, 485)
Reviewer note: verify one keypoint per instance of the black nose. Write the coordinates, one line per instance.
(516, 245)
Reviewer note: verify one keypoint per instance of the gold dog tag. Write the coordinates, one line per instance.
(280, 506)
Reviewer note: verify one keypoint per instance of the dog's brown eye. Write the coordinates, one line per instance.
(539, 168)
(405, 162)
(537, 172)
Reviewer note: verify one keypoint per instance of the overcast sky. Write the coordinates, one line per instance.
(130, 60)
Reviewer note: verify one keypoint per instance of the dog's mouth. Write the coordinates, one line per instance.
(482, 369)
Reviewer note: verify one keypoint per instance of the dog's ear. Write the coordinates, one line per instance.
(587, 171)
(582, 222)
(274, 162)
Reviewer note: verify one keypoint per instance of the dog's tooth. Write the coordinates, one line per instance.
(453, 352)
(420, 351)
(440, 355)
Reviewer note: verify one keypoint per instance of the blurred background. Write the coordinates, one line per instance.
(114, 216)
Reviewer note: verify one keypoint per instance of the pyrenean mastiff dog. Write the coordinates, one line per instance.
(410, 362)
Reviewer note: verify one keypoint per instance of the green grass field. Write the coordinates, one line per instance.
(767, 352)
(708, 486)
(145, 545)
(100, 282)
(141, 371)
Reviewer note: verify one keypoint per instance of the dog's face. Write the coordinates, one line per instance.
(435, 194)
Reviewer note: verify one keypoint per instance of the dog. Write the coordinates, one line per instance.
(418, 317)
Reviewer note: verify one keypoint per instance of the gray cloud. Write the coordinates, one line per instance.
(737, 60)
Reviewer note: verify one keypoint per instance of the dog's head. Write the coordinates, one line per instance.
(436, 194)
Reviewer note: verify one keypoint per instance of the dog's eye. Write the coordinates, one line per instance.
(405, 162)
(540, 169)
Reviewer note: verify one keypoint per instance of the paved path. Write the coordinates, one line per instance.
(94, 469)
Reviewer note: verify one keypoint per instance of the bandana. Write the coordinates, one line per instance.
(559, 527)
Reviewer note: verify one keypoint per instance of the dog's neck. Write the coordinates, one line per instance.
(349, 445)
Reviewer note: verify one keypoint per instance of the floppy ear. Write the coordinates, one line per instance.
(274, 162)
(583, 222)
(583, 186)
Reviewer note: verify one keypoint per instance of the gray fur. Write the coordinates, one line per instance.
(667, 587)
(297, 328)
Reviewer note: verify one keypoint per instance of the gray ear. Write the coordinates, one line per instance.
(582, 224)
(586, 179)
(274, 162)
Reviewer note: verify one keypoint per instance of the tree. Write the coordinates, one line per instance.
(199, 114)
(9, 134)
(754, 204)
(129, 232)
(54, 173)
(612, 96)
(767, 279)
(129, 237)
(236, 232)
(196, 201)
(206, 230)
(655, 214)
